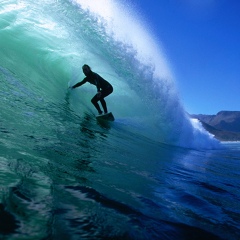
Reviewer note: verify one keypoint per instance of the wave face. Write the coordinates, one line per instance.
(44, 45)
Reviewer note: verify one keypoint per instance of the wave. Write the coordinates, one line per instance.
(43, 46)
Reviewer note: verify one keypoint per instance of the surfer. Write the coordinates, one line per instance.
(104, 88)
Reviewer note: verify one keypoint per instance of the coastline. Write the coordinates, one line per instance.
(225, 125)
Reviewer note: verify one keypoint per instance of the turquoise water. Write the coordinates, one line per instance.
(151, 174)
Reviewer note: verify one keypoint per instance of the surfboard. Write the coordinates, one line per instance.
(105, 117)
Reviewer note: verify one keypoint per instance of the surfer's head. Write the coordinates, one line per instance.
(86, 69)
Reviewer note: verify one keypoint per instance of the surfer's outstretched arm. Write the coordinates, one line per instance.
(79, 84)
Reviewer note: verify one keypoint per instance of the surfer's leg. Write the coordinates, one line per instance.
(104, 93)
(104, 105)
(95, 103)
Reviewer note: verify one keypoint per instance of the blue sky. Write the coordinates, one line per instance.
(201, 39)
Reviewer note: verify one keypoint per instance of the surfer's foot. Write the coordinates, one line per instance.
(105, 112)
(100, 113)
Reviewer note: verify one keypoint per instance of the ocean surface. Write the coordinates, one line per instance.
(153, 173)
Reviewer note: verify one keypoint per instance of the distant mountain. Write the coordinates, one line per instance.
(225, 125)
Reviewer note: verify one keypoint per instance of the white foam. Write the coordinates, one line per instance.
(126, 26)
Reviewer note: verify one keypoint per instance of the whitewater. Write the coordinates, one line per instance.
(153, 173)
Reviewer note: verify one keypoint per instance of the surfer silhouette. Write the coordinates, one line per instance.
(104, 88)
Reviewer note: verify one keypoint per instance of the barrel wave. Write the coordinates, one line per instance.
(44, 47)
(64, 175)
